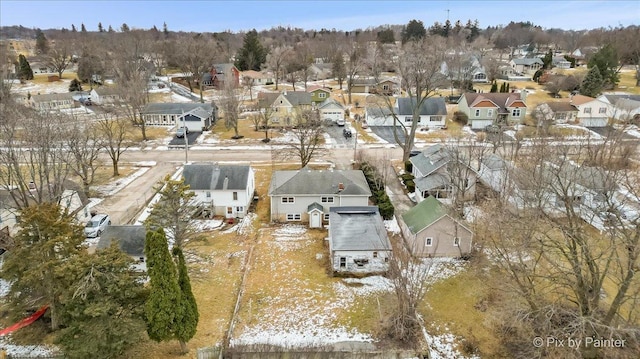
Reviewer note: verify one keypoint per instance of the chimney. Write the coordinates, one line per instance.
(523, 95)
(225, 184)
(340, 187)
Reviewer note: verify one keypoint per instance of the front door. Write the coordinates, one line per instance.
(315, 221)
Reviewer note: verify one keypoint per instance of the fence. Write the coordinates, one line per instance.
(209, 353)
(268, 352)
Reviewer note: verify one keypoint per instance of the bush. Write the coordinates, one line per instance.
(407, 176)
(386, 209)
(460, 117)
(411, 186)
(408, 167)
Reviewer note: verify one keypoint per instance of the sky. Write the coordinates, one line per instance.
(216, 16)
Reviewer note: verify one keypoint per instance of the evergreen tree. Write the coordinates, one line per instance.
(507, 89)
(103, 306)
(446, 30)
(187, 323)
(48, 238)
(593, 83)
(547, 60)
(83, 28)
(124, 27)
(537, 75)
(42, 44)
(386, 36)
(494, 87)
(100, 28)
(413, 31)
(606, 60)
(160, 307)
(110, 29)
(73, 28)
(252, 54)
(24, 69)
(173, 211)
(75, 85)
(165, 29)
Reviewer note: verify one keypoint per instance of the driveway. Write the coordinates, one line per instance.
(386, 133)
(179, 142)
(609, 131)
(335, 132)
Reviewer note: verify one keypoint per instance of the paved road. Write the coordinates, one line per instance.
(335, 132)
(192, 136)
(386, 133)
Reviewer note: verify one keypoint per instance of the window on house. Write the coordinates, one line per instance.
(490, 112)
(456, 242)
(239, 209)
(515, 112)
(235, 196)
(375, 254)
(561, 115)
(477, 113)
(326, 216)
(322, 95)
(428, 242)
(360, 262)
(587, 110)
(343, 262)
(293, 216)
(327, 199)
(408, 119)
(385, 87)
(602, 110)
(229, 210)
(434, 118)
(287, 200)
(208, 194)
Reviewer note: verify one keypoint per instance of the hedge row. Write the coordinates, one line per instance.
(379, 196)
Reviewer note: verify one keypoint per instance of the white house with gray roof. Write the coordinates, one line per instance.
(442, 173)
(433, 113)
(307, 195)
(195, 116)
(223, 190)
(51, 101)
(358, 241)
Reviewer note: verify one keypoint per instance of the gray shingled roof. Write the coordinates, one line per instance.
(436, 180)
(494, 162)
(357, 228)
(316, 206)
(175, 108)
(430, 106)
(297, 98)
(216, 177)
(432, 158)
(307, 181)
(130, 239)
(51, 97)
(528, 61)
(329, 102)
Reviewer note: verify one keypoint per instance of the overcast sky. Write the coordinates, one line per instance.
(215, 16)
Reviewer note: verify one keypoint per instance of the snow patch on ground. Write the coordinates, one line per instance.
(443, 346)
(27, 351)
(289, 137)
(364, 286)
(633, 131)
(588, 132)
(178, 98)
(392, 225)
(291, 237)
(244, 226)
(202, 225)
(114, 186)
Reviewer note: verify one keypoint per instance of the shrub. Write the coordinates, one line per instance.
(386, 209)
(411, 186)
(408, 167)
(460, 117)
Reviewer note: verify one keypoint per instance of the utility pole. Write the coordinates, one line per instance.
(186, 139)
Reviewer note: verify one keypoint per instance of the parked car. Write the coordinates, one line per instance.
(346, 132)
(364, 124)
(340, 122)
(182, 131)
(96, 225)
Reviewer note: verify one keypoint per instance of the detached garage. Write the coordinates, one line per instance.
(331, 110)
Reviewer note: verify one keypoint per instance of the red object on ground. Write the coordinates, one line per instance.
(24, 322)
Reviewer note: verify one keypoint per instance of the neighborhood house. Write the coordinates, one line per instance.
(433, 113)
(195, 116)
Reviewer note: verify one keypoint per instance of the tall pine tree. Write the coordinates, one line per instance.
(160, 308)
(24, 69)
(252, 54)
(593, 83)
(494, 87)
(187, 322)
(42, 44)
(100, 28)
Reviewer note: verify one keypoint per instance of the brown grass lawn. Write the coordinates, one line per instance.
(456, 303)
(246, 128)
(44, 78)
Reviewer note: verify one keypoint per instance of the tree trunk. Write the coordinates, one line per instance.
(183, 347)
(201, 99)
(115, 168)
(60, 74)
(143, 128)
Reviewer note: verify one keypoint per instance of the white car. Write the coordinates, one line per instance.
(96, 225)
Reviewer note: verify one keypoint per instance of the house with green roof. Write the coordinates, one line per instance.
(430, 231)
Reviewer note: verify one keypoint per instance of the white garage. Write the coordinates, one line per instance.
(480, 124)
(331, 110)
(593, 122)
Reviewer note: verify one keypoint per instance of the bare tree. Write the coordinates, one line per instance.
(34, 160)
(195, 59)
(420, 70)
(264, 119)
(307, 139)
(276, 60)
(84, 145)
(353, 65)
(230, 105)
(59, 57)
(113, 133)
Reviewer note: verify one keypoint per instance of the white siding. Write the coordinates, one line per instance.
(373, 265)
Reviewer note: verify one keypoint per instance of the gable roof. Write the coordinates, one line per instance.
(52, 97)
(561, 106)
(297, 98)
(424, 214)
(318, 182)
(501, 100)
(578, 100)
(318, 88)
(223, 68)
(494, 162)
(177, 109)
(528, 61)
(329, 103)
(430, 159)
(216, 177)
(357, 228)
(130, 239)
(107, 90)
(430, 106)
